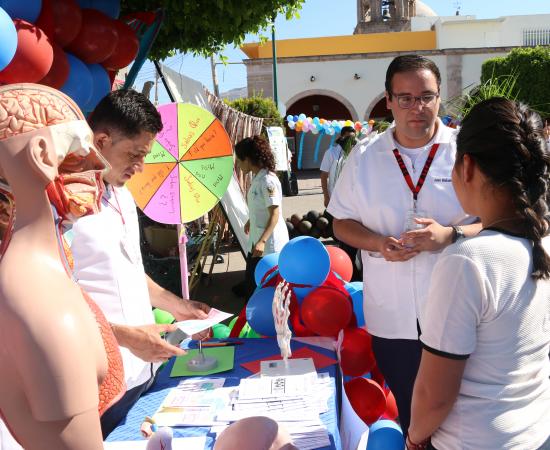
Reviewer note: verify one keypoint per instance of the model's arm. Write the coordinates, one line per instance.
(357, 235)
(259, 246)
(324, 187)
(435, 391)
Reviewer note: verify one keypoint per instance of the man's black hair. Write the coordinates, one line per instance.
(126, 111)
(410, 63)
(347, 130)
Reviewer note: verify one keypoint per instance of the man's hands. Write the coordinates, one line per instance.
(431, 238)
(191, 309)
(188, 309)
(145, 341)
(326, 200)
(393, 250)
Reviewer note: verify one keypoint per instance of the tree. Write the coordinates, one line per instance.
(205, 27)
(258, 106)
(530, 68)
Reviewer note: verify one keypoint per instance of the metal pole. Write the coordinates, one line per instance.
(214, 77)
(161, 75)
(274, 51)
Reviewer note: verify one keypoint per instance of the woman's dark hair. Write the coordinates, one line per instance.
(126, 111)
(257, 150)
(410, 63)
(505, 139)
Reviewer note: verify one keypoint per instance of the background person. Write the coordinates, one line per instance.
(483, 380)
(398, 181)
(106, 250)
(333, 161)
(266, 228)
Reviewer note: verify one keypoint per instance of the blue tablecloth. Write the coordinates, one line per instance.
(251, 350)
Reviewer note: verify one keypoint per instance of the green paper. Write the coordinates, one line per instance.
(224, 355)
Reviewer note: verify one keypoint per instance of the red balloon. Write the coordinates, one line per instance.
(45, 20)
(391, 406)
(340, 262)
(33, 57)
(59, 72)
(97, 38)
(356, 356)
(67, 19)
(326, 311)
(367, 399)
(126, 49)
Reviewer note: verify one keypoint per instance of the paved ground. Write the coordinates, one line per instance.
(216, 288)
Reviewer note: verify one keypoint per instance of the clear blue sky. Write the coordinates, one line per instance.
(324, 18)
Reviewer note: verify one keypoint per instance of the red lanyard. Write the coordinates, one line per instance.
(416, 189)
(117, 208)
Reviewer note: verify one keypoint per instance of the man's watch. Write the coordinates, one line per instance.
(457, 233)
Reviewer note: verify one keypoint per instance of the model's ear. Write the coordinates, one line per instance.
(43, 157)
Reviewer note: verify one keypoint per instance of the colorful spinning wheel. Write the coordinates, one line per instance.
(188, 169)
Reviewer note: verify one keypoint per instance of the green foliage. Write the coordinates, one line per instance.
(205, 27)
(532, 66)
(496, 86)
(381, 126)
(258, 106)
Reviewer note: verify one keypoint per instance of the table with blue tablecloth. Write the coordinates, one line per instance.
(251, 350)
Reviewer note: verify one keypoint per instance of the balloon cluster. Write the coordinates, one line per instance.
(314, 224)
(76, 47)
(325, 303)
(302, 123)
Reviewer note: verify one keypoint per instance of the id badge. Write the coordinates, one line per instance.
(410, 223)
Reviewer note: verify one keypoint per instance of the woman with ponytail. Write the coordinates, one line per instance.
(483, 382)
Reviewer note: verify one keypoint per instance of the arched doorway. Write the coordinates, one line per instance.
(380, 112)
(315, 105)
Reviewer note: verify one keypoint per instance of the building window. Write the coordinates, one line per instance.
(539, 36)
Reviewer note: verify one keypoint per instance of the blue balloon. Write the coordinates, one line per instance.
(259, 313)
(109, 7)
(265, 265)
(79, 85)
(101, 86)
(302, 116)
(385, 435)
(8, 39)
(304, 260)
(357, 300)
(28, 10)
(295, 118)
(289, 118)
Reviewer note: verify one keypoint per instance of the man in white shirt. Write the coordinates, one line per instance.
(106, 251)
(333, 161)
(395, 201)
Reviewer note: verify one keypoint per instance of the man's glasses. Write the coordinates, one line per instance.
(407, 101)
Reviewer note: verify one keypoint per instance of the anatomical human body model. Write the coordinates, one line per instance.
(60, 362)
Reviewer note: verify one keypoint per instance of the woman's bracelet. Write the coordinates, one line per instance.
(420, 446)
